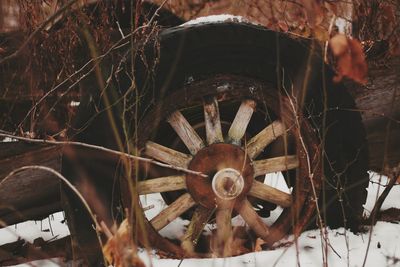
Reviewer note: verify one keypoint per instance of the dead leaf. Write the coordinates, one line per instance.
(258, 245)
(350, 59)
(314, 12)
(2, 50)
(283, 26)
(338, 44)
(321, 34)
(120, 249)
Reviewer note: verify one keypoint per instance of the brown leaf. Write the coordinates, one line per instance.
(258, 245)
(338, 44)
(120, 249)
(2, 50)
(283, 26)
(314, 12)
(350, 59)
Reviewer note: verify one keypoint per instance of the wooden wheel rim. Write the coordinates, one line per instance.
(307, 190)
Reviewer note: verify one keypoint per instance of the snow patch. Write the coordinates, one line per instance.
(216, 19)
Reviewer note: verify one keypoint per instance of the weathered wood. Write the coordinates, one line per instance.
(276, 164)
(161, 184)
(251, 217)
(379, 104)
(186, 132)
(258, 143)
(241, 120)
(199, 220)
(28, 194)
(36, 211)
(270, 194)
(20, 251)
(212, 121)
(167, 155)
(224, 228)
(173, 211)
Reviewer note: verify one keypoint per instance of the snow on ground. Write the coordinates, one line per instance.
(384, 246)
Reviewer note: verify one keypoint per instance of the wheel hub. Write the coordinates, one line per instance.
(229, 170)
(227, 183)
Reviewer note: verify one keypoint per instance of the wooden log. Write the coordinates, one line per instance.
(28, 194)
(20, 251)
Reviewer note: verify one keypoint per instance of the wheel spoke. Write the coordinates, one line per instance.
(255, 222)
(212, 121)
(161, 184)
(199, 219)
(186, 132)
(270, 194)
(257, 144)
(277, 164)
(167, 155)
(173, 211)
(241, 120)
(224, 228)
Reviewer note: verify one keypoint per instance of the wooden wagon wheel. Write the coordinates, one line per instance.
(230, 158)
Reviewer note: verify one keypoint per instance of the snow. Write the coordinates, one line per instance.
(310, 253)
(384, 247)
(216, 19)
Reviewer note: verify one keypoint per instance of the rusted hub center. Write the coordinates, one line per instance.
(230, 174)
(227, 183)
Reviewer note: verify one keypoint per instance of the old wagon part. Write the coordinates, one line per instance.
(20, 251)
(231, 164)
(18, 202)
(256, 54)
(100, 148)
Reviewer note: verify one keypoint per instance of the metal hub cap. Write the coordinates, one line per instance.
(227, 183)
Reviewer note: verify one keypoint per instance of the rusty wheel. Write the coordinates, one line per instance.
(233, 130)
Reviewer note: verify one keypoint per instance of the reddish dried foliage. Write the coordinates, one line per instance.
(349, 57)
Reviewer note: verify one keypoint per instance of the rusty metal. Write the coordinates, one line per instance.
(209, 161)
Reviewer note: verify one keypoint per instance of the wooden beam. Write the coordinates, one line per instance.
(167, 155)
(186, 132)
(270, 194)
(161, 184)
(276, 164)
(173, 211)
